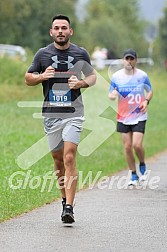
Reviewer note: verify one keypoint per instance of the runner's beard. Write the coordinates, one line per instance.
(62, 43)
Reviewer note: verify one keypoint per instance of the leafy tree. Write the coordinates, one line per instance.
(27, 22)
(163, 34)
(11, 14)
(115, 25)
(112, 24)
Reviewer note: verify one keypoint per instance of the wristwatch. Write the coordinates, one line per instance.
(148, 101)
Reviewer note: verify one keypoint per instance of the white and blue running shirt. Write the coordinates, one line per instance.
(131, 93)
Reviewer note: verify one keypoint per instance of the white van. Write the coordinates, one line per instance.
(13, 51)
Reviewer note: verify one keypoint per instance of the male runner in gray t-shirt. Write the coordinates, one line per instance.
(59, 68)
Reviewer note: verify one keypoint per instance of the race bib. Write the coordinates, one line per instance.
(60, 98)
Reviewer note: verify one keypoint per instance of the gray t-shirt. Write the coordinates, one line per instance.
(59, 100)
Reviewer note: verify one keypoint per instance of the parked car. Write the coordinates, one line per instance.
(13, 51)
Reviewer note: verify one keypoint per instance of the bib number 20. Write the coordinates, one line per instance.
(134, 98)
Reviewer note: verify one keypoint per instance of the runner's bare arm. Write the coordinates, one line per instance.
(144, 104)
(113, 95)
(32, 79)
(88, 81)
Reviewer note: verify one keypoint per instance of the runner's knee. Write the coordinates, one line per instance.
(137, 146)
(69, 159)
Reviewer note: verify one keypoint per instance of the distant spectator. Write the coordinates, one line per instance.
(99, 55)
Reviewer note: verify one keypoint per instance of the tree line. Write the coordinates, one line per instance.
(111, 24)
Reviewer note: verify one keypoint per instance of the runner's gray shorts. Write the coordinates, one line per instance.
(59, 131)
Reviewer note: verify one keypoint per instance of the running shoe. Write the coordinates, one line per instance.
(68, 215)
(143, 172)
(134, 180)
(63, 205)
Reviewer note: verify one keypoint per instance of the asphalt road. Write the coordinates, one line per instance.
(109, 218)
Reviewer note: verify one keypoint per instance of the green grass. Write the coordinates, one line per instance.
(19, 131)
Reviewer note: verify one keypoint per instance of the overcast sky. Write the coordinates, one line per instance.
(151, 10)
